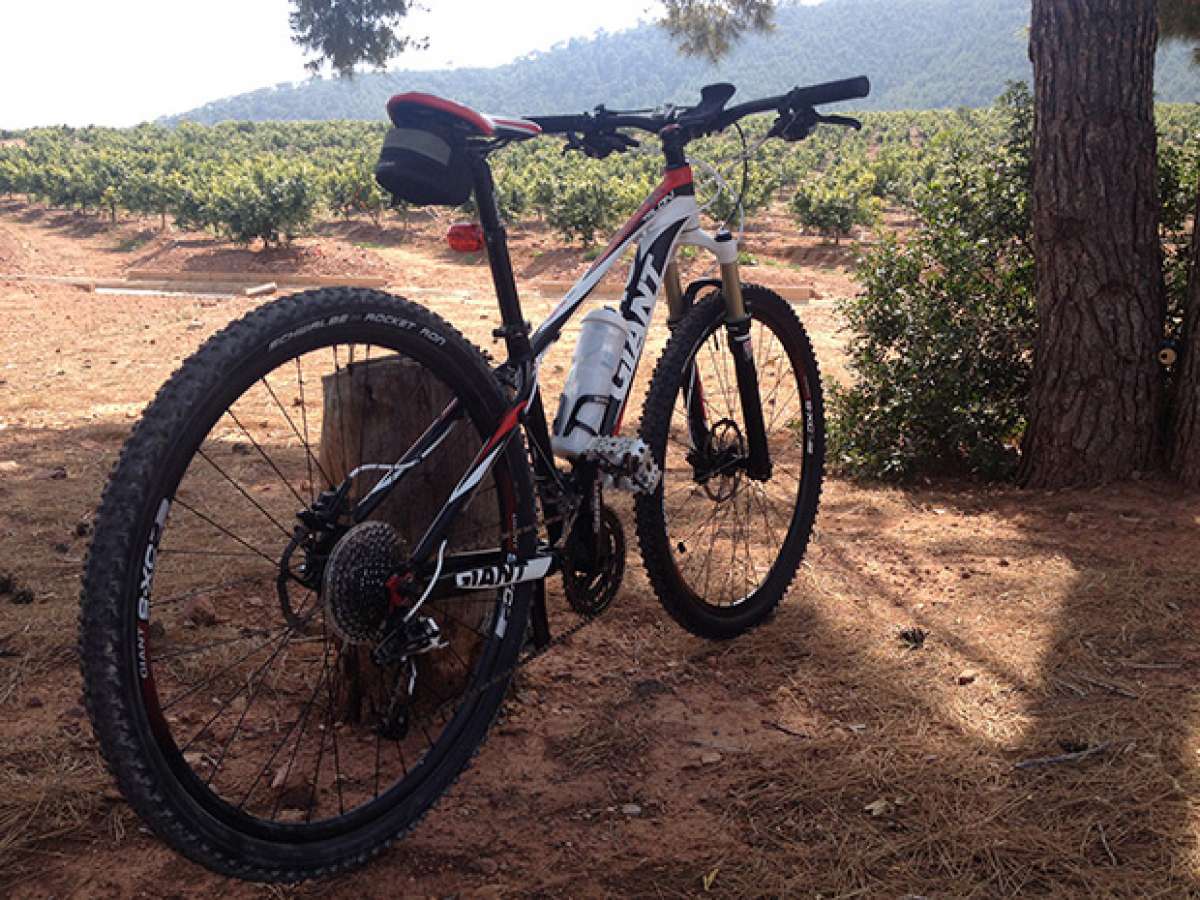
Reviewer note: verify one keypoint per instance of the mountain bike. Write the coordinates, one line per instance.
(325, 546)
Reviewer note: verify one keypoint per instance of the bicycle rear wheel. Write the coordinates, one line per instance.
(719, 546)
(239, 707)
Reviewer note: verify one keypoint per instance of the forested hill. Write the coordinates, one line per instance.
(918, 53)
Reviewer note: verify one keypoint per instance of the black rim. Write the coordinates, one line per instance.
(251, 716)
(725, 530)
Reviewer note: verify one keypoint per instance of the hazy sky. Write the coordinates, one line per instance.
(120, 62)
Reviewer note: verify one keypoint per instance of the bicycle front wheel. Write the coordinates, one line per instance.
(234, 693)
(721, 547)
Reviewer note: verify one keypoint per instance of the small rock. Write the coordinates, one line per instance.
(83, 528)
(880, 807)
(8, 583)
(200, 611)
(857, 729)
(631, 809)
(1004, 563)
(194, 325)
(22, 597)
(241, 448)
(914, 637)
(488, 866)
(710, 757)
(61, 547)
(9, 465)
(966, 676)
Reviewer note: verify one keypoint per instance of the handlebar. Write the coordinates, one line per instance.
(710, 116)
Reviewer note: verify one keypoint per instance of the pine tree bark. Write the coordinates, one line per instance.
(1185, 431)
(1096, 392)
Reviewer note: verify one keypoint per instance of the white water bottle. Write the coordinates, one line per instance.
(587, 394)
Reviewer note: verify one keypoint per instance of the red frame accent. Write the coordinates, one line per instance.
(672, 179)
(482, 125)
(519, 124)
(507, 424)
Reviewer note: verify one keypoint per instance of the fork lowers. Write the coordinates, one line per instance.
(737, 329)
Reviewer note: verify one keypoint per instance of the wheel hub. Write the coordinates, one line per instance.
(355, 591)
(719, 468)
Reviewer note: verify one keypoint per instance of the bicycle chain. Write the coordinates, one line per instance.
(536, 653)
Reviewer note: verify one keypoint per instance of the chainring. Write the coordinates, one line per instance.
(591, 592)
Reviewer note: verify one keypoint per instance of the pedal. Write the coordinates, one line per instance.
(627, 463)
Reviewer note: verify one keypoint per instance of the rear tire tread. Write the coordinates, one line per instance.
(105, 695)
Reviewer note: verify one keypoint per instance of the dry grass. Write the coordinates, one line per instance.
(1055, 621)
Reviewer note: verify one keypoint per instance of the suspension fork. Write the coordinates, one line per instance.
(679, 304)
(737, 330)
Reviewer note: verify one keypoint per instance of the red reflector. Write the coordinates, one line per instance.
(465, 237)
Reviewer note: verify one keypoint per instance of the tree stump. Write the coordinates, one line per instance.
(373, 410)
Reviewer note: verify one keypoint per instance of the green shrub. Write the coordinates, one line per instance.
(262, 198)
(351, 190)
(835, 202)
(581, 208)
(941, 336)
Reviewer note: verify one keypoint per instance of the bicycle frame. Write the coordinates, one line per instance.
(668, 218)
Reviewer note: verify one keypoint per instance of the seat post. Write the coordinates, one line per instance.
(516, 329)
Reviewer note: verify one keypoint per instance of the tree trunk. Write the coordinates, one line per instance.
(1096, 392)
(1185, 432)
(373, 411)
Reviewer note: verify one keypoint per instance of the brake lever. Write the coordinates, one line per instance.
(844, 121)
(599, 144)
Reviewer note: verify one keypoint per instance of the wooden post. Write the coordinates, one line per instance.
(373, 411)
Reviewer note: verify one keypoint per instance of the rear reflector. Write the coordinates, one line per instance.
(465, 237)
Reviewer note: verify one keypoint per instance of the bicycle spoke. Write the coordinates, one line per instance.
(270, 462)
(308, 456)
(241, 659)
(226, 531)
(204, 456)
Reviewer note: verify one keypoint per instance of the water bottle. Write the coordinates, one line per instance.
(588, 392)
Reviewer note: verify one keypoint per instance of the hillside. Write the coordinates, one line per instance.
(919, 54)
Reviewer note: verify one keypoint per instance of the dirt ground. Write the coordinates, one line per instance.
(821, 755)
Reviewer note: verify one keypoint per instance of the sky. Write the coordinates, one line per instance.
(120, 62)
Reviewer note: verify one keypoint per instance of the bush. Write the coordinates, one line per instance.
(837, 201)
(582, 208)
(351, 189)
(941, 337)
(263, 198)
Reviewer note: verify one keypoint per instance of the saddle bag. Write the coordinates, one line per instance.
(425, 166)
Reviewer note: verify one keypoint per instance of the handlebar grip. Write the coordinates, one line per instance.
(831, 91)
(559, 124)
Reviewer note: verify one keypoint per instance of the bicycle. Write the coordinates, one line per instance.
(343, 619)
